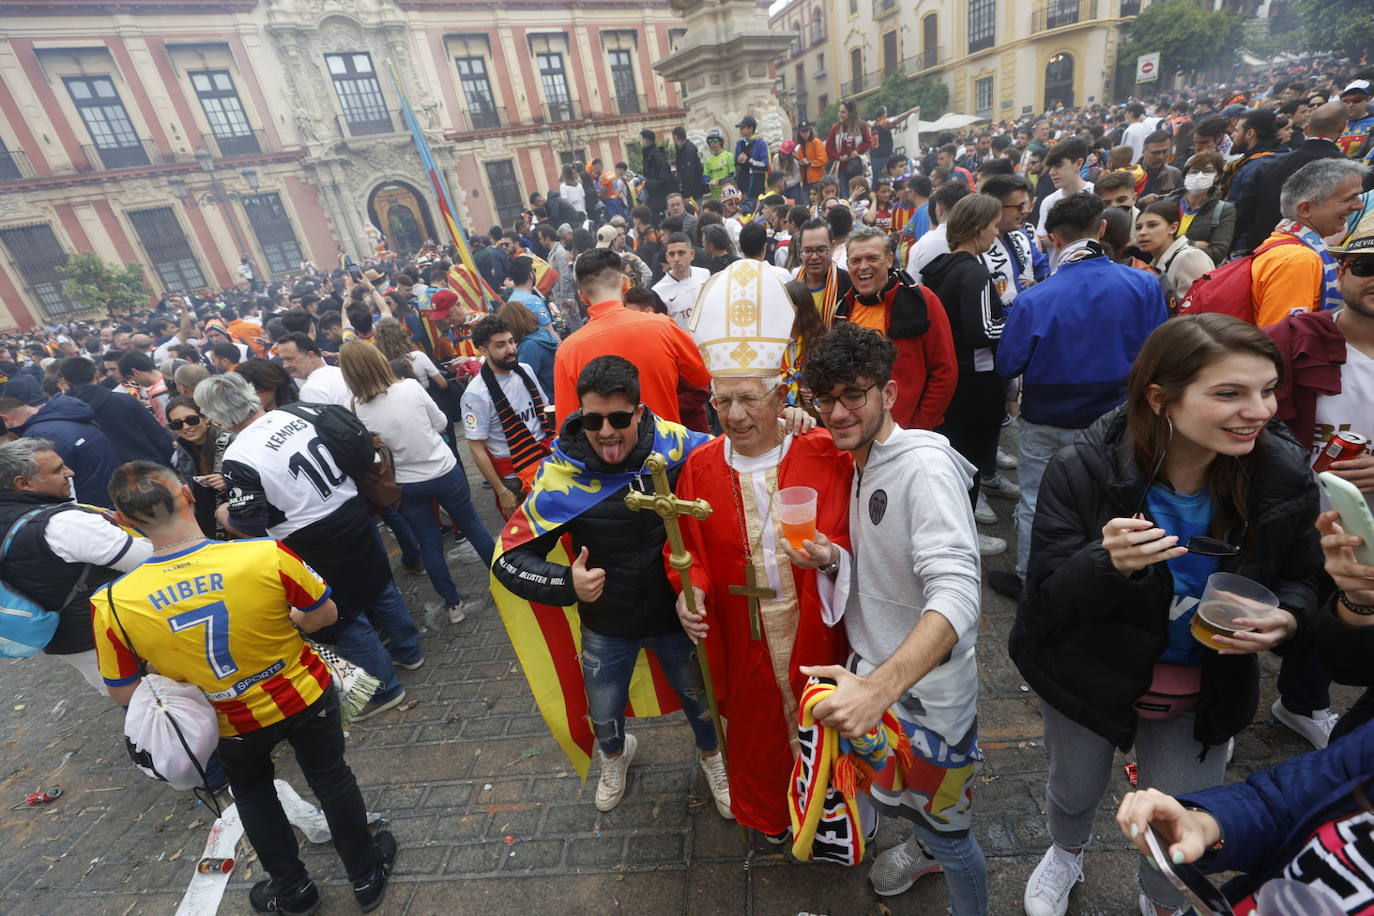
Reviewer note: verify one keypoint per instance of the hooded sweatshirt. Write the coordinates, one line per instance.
(70, 425)
(916, 550)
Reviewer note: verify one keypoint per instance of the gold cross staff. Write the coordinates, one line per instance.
(669, 507)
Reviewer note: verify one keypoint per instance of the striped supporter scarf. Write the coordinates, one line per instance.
(525, 451)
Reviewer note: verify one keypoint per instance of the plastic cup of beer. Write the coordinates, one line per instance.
(796, 510)
(1226, 598)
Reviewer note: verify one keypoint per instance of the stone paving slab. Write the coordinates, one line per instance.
(492, 819)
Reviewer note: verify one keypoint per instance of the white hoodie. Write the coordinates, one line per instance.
(916, 550)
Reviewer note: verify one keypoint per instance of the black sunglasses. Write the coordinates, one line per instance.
(619, 419)
(1360, 267)
(1202, 545)
(192, 420)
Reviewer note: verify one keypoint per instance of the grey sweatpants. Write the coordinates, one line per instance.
(1081, 767)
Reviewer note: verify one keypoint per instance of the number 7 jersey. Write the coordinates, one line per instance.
(216, 615)
(282, 477)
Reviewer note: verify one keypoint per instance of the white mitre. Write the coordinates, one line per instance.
(742, 322)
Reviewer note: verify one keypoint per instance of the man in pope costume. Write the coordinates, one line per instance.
(762, 617)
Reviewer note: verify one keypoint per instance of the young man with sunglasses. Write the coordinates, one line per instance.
(1330, 393)
(625, 603)
(912, 623)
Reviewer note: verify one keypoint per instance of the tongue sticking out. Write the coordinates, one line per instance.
(613, 452)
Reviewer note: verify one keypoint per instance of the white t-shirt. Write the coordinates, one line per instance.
(1055, 197)
(574, 194)
(422, 366)
(480, 422)
(1352, 409)
(83, 536)
(680, 295)
(326, 386)
(399, 417)
(1134, 135)
(927, 248)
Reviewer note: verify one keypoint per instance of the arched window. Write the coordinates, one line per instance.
(1059, 81)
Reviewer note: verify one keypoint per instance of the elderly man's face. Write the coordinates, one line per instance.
(676, 207)
(748, 409)
(870, 262)
(1327, 217)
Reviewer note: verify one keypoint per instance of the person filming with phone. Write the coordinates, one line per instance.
(1172, 543)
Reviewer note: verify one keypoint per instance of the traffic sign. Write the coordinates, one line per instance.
(1147, 68)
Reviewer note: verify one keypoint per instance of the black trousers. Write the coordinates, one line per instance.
(316, 735)
(973, 420)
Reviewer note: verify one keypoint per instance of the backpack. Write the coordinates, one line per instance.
(1226, 290)
(25, 625)
(357, 452)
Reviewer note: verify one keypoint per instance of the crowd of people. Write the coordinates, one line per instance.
(1171, 300)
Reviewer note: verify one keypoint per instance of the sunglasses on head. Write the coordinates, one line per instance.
(1360, 267)
(619, 419)
(1202, 545)
(192, 420)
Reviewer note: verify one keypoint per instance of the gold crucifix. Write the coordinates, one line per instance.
(754, 592)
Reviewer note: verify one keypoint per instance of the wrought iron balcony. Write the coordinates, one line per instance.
(249, 144)
(1059, 13)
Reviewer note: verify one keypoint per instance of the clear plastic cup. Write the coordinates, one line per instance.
(1286, 897)
(796, 511)
(1226, 598)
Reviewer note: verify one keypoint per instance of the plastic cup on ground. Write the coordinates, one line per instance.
(1226, 598)
(796, 510)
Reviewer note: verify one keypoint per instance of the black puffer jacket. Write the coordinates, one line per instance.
(637, 601)
(1086, 637)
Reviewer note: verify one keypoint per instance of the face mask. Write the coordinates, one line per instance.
(1199, 181)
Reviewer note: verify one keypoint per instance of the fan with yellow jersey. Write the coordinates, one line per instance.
(216, 615)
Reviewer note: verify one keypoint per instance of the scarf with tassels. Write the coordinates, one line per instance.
(828, 776)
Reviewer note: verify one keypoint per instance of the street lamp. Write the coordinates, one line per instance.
(217, 194)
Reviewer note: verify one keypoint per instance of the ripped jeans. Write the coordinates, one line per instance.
(609, 661)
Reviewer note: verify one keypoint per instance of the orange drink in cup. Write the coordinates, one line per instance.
(796, 511)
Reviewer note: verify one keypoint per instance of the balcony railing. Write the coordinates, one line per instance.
(105, 158)
(350, 126)
(485, 118)
(249, 144)
(863, 83)
(1060, 13)
(558, 111)
(883, 7)
(920, 62)
(629, 104)
(815, 35)
(14, 165)
(1130, 7)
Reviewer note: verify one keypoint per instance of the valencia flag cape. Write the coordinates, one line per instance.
(548, 640)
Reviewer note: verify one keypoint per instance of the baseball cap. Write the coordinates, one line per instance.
(441, 303)
(1233, 111)
(747, 121)
(605, 236)
(730, 192)
(786, 147)
(806, 125)
(714, 134)
(1361, 86)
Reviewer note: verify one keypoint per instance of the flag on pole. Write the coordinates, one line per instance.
(437, 182)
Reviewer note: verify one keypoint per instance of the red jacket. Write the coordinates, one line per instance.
(1313, 351)
(927, 369)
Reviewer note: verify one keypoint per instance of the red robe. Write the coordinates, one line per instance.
(760, 730)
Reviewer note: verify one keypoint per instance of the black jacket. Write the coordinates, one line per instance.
(964, 287)
(1345, 653)
(637, 602)
(50, 581)
(1258, 208)
(128, 425)
(658, 178)
(691, 177)
(1086, 638)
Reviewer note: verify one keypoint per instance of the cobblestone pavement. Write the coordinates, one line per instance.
(489, 815)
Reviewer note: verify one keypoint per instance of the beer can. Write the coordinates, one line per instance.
(209, 866)
(1342, 446)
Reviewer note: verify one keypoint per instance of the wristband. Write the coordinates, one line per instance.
(1363, 610)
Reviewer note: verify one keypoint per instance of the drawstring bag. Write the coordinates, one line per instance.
(170, 728)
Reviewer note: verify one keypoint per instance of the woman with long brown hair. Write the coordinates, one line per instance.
(426, 469)
(1190, 477)
(806, 329)
(391, 338)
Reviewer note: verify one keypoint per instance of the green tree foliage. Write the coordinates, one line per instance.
(1185, 36)
(826, 119)
(898, 93)
(1342, 26)
(93, 284)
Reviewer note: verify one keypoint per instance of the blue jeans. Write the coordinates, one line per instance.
(966, 870)
(417, 508)
(1036, 445)
(358, 641)
(405, 538)
(609, 661)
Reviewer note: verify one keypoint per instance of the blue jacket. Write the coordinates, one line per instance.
(1270, 818)
(130, 426)
(70, 426)
(1074, 336)
(536, 350)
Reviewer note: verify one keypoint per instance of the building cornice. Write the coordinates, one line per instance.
(12, 9)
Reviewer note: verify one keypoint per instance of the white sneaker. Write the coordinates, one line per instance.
(989, 546)
(999, 486)
(610, 788)
(1316, 728)
(714, 768)
(463, 552)
(1047, 891)
(982, 512)
(1147, 907)
(1006, 461)
(895, 870)
(457, 613)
